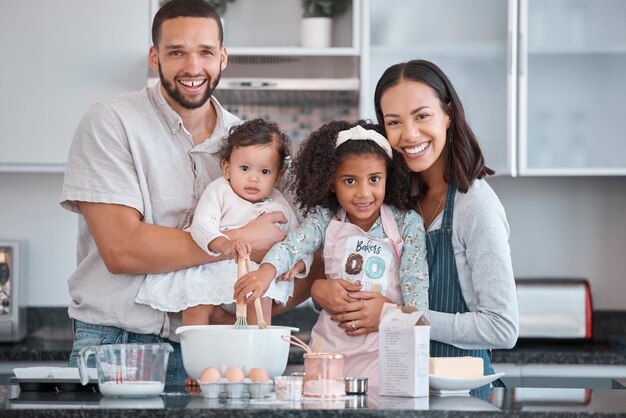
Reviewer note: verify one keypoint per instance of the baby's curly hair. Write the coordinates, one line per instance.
(255, 132)
(316, 167)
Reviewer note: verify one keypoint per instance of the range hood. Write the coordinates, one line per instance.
(287, 73)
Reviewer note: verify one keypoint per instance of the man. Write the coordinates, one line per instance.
(136, 169)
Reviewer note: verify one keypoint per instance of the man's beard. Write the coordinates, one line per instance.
(179, 98)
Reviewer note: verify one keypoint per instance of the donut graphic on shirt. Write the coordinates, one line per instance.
(354, 264)
(374, 267)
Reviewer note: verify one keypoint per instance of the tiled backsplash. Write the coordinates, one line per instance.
(298, 113)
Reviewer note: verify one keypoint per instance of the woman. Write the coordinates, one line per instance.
(472, 297)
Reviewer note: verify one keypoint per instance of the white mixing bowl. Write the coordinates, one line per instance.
(205, 346)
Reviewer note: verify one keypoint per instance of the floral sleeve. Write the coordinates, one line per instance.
(300, 243)
(414, 279)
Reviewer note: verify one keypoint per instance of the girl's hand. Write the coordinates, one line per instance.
(331, 294)
(290, 275)
(255, 283)
(361, 317)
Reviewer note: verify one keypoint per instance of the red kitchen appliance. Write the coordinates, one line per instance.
(554, 308)
(12, 309)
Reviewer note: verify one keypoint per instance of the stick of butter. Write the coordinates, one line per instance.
(456, 366)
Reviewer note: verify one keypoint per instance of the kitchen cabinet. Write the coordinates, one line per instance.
(572, 86)
(64, 55)
(542, 81)
(473, 43)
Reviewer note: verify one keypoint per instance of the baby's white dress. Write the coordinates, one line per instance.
(218, 210)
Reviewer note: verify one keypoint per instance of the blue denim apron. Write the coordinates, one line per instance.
(445, 295)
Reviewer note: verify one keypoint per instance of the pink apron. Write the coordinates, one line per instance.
(350, 254)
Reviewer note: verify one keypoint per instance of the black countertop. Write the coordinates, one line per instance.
(50, 339)
(512, 402)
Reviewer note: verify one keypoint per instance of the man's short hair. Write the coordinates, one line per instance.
(184, 8)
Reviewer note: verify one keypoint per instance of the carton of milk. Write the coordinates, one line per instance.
(403, 352)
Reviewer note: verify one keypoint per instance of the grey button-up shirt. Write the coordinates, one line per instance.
(133, 150)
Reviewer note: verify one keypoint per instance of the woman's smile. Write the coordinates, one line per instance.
(417, 149)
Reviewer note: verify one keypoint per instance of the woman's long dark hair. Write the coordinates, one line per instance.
(464, 161)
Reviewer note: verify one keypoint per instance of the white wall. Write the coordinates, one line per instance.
(572, 227)
(559, 227)
(29, 212)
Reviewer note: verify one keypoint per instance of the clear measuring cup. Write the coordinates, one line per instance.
(127, 370)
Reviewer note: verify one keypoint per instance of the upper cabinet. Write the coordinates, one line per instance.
(542, 82)
(472, 42)
(65, 55)
(572, 87)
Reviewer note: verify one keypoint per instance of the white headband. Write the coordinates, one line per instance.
(360, 133)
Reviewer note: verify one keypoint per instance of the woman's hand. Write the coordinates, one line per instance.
(330, 294)
(362, 316)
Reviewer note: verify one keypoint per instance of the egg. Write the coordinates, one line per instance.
(234, 374)
(210, 375)
(258, 375)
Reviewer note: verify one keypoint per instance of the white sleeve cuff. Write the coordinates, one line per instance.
(203, 240)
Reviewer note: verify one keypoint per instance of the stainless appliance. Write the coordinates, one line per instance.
(12, 309)
(554, 308)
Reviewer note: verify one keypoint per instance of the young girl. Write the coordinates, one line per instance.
(346, 180)
(253, 161)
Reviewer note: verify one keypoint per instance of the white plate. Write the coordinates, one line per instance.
(451, 385)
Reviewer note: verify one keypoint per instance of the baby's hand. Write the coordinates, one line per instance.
(240, 249)
(255, 283)
(290, 275)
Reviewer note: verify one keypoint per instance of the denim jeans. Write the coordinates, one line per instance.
(86, 335)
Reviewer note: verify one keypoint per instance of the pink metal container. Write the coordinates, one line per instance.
(323, 375)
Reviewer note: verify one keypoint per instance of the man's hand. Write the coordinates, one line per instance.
(333, 293)
(262, 233)
(363, 316)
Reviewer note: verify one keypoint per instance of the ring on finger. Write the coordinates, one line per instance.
(354, 326)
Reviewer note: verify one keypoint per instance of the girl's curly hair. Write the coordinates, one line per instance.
(316, 167)
(255, 132)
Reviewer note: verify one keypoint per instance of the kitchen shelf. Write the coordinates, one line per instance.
(292, 51)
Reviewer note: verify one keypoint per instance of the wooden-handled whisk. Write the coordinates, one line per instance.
(242, 311)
